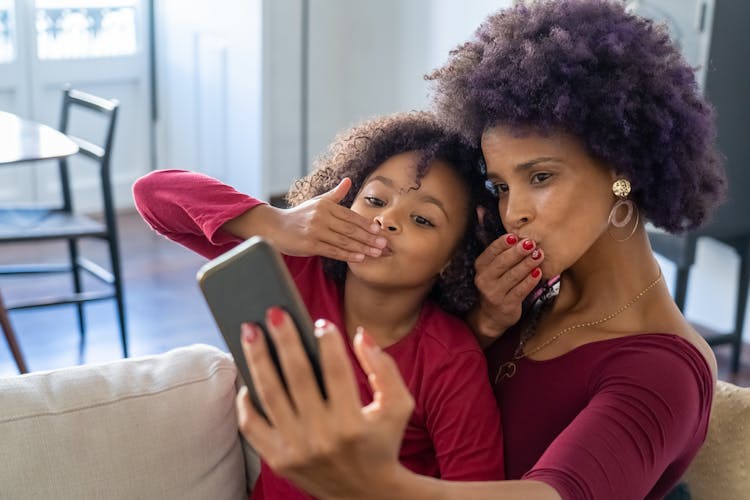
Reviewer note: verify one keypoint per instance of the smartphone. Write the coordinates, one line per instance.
(239, 286)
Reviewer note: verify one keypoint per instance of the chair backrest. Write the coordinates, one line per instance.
(99, 153)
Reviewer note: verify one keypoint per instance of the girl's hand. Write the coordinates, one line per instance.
(320, 226)
(506, 272)
(332, 448)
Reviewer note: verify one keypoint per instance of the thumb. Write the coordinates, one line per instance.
(390, 394)
(339, 192)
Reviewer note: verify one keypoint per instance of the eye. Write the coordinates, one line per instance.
(422, 221)
(500, 187)
(374, 201)
(540, 177)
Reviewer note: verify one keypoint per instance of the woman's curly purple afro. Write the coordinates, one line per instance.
(613, 79)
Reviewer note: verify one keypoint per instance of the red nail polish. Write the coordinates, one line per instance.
(249, 333)
(536, 273)
(511, 239)
(527, 244)
(536, 255)
(275, 315)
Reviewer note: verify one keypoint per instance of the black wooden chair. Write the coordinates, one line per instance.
(727, 83)
(61, 223)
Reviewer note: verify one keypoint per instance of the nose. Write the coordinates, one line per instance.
(386, 221)
(515, 211)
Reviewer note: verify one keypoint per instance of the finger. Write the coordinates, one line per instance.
(265, 378)
(252, 425)
(339, 192)
(494, 249)
(333, 252)
(354, 225)
(390, 392)
(340, 383)
(509, 264)
(298, 373)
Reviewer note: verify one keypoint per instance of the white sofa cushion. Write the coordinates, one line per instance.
(160, 426)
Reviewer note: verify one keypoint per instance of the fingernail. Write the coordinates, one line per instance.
(275, 315)
(358, 257)
(375, 252)
(367, 340)
(527, 244)
(511, 239)
(249, 333)
(536, 273)
(321, 325)
(536, 255)
(375, 228)
(381, 242)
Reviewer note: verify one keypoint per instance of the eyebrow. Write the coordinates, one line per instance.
(527, 165)
(427, 198)
(542, 159)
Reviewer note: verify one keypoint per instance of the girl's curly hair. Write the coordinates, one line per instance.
(357, 152)
(612, 79)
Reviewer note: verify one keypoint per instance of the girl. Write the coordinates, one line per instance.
(420, 187)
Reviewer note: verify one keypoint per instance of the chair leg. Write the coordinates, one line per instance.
(119, 293)
(10, 336)
(77, 287)
(743, 248)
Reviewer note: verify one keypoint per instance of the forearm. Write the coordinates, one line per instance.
(262, 220)
(406, 484)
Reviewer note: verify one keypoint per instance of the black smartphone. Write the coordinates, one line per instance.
(239, 286)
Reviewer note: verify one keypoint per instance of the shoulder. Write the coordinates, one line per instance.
(657, 367)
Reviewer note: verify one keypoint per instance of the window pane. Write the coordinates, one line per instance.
(78, 29)
(7, 29)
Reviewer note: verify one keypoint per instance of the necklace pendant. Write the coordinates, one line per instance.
(506, 370)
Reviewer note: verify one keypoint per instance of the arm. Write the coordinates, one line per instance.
(335, 449)
(643, 424)
(210, 217)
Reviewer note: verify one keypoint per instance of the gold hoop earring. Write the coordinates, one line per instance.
(621, 188)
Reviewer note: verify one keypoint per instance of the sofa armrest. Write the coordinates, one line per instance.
(719, 471)
(160, 426)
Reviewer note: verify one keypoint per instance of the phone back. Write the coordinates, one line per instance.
(240, 286)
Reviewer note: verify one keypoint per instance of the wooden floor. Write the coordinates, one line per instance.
(164, 307)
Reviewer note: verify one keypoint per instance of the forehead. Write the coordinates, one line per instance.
(504, 149)
(440, 177)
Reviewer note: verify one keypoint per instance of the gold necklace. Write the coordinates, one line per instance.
(508, 369)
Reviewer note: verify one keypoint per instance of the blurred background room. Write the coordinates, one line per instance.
(250, 92)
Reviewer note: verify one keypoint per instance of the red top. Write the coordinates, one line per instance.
(614, 419)
(454, 432)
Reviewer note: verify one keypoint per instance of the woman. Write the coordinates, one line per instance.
(589, 122)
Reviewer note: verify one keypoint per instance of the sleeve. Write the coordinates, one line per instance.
(641, 428)
(190, 208)
(463, 419)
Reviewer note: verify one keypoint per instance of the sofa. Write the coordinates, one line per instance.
(164, 426)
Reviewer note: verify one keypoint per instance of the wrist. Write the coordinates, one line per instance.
(257, 221)
(484, 326)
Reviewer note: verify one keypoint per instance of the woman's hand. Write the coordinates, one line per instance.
(506, 272)
(319, 226)
(332, 448)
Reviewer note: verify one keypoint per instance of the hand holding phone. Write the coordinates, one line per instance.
(239, 286)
